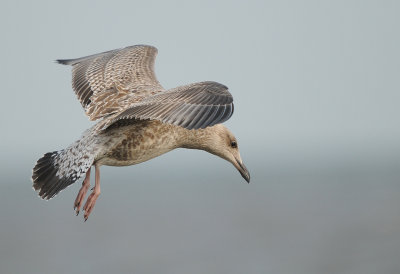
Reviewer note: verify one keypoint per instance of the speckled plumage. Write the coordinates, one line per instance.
(138, 120)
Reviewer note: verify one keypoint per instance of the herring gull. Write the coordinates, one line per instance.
(137, 120)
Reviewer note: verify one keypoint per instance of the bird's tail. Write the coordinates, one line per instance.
(46, 179)
(58, 169)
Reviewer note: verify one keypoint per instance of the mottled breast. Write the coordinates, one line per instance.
(136, 141)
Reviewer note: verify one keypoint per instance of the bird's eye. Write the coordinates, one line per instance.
(233, 144)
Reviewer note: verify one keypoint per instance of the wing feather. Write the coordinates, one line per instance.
(121, 84)
(192, 106)
(127, 71)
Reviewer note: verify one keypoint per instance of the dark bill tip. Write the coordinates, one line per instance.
(243, 171)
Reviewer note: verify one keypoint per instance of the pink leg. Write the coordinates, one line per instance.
(91, 200)
(82, 192)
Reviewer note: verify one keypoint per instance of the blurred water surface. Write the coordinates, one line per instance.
(203, 218)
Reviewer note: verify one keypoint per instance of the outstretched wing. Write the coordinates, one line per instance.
(192, 106)
(105, 82)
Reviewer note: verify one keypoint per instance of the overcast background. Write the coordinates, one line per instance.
(316, 89)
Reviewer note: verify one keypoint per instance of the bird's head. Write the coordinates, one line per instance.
(222, 142)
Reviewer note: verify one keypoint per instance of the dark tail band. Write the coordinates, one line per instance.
(45, 180)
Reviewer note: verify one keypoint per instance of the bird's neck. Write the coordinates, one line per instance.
(196, 138)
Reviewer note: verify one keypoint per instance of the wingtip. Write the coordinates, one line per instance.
(62, 61)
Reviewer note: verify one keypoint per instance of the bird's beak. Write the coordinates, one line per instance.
(242, 169)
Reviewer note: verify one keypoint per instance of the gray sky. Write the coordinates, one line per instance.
(316, 90)
(305, 75)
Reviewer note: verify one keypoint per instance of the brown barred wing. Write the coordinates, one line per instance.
(104, 82)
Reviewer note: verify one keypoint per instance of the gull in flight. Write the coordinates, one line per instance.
(137, 120)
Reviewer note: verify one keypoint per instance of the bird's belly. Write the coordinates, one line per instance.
(132, 157)
(136, 144)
